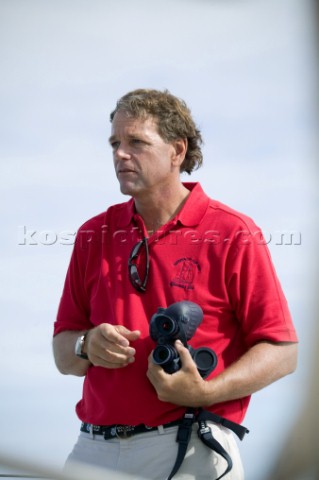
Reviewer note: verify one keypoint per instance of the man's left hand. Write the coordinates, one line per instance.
(185, 387)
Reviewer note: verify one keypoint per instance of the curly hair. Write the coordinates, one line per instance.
(173, 118)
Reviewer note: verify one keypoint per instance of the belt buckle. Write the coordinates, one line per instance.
(124, 431)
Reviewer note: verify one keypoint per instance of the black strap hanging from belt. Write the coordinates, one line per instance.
(205, 434)
(183, 437)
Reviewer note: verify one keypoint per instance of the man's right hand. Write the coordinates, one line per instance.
(108, 345)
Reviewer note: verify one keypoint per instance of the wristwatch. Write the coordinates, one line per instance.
(79, 346)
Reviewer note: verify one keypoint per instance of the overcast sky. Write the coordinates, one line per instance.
(247, 71)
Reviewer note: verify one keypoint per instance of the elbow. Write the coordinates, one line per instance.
(294, 365)
(292, 359)
(77, 369)
(62, 369)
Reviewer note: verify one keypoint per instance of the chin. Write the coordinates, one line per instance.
(132, 189)
(127, 190)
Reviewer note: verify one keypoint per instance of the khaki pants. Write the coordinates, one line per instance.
(152, 455)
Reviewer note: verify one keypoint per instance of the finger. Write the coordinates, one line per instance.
(112, 334)
(185, 356)
(100, 362)
(130, 335)
(101, 340)
(116, 353)
(110, 359)
(102, 351)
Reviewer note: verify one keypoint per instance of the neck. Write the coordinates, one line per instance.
(157, 210)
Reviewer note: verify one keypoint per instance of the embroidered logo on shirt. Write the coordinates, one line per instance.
(185, 271)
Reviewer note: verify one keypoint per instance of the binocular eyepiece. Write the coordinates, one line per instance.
(179, 322)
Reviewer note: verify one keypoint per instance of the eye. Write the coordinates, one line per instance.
(115, 145)
(136, 141)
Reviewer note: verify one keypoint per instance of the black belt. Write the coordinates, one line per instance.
(121, 431)
(183, 435)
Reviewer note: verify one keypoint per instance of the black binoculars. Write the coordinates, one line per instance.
(179, 321)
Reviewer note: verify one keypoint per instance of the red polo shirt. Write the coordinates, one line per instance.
(208, 254)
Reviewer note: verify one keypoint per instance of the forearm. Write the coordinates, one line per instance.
(262, 365)
(65, 359)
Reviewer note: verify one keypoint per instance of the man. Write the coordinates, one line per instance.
(169, 243)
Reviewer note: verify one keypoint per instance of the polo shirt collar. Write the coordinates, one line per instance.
(190, 215)
(126, 213)
(195, 206)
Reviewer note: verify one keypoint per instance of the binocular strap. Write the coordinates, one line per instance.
(205, 434)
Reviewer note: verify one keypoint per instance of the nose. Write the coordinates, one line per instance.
(122, 152)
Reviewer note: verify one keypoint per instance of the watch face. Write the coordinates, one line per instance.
(78, 347)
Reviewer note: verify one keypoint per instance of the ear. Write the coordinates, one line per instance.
(180, 148)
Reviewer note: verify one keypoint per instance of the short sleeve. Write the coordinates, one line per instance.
(74, 308)
(255, 291)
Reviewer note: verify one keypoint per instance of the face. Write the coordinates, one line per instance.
(143, 161)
